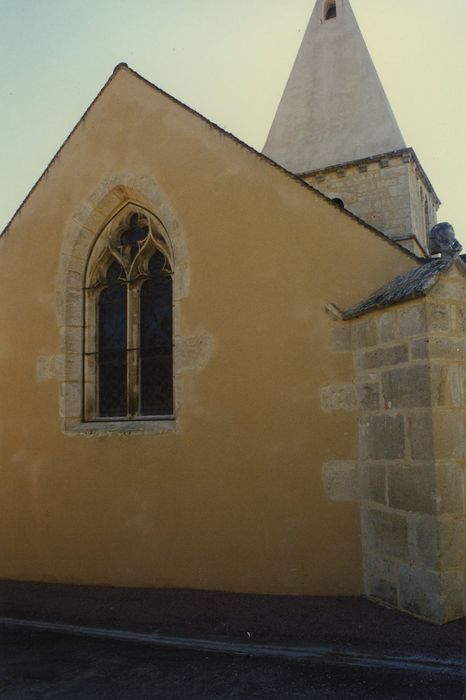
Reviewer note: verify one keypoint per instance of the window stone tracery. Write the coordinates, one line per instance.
(128, 354)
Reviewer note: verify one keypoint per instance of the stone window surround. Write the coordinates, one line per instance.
(191, 352)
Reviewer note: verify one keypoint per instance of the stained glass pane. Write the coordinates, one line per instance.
(112, 345)
(156, 360)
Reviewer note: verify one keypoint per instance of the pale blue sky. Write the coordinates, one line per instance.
(229, 59)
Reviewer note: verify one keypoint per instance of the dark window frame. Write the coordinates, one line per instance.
(139, 251)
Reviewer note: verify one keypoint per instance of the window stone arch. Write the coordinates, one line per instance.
(87, 232)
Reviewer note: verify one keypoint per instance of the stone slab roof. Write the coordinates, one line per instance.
(409, 285)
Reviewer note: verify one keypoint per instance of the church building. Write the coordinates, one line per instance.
(232, 371)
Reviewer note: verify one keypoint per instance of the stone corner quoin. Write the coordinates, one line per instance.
(408, 394)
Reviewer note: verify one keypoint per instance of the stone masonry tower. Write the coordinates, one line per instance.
(334, 127)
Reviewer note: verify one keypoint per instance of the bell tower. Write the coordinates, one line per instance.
(334, 127)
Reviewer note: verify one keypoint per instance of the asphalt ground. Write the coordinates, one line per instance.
(36, 664)
(337, 623)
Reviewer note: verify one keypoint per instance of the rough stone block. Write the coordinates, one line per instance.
(89, 218)
(407, 387)
(448, 348)
(341, 480)
(453, 600)
(388, 326)
(380, 566)
(341, 337)
(413, 321)
(412, 488)
(449, 289)
(452, 542)
(455, 386)
(70, 399)
(373, 482)
(420, 592)
(455, 320)
(106, 204)
(438, 317)
(440, 385)
(463, 384)
(368, 395)
(448, 432)
(73, 367)
(74, 308)
(82, 243)
(382, 437)
(340, 397)
(71, 263)
(72, 339)
(50, 367)
(450, 489)
(365, 334)
(381, 589)
(193, 352)
(420, 349)
(420, 436)
(74, 281)
(427, 542)
(461, 319)
(383, 357)
(384, 533)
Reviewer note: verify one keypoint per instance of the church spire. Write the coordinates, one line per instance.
(334, 109)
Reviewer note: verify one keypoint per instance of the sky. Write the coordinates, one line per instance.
(229, 60)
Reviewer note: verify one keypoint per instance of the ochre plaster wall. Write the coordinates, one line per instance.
(233, 498)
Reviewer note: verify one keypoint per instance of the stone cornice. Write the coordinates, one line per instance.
(407, 155)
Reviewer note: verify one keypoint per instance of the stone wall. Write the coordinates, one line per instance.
(409, 392)
(390, 193)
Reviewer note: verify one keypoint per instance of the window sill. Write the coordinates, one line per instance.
(103, 427)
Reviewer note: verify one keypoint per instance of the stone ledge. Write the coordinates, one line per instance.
(102, 428)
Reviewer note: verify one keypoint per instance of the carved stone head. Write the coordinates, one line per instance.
(442, 240)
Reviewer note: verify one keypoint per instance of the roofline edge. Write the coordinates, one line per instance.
(297, 178)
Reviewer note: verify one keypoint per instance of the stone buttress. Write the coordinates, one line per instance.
(409, 392)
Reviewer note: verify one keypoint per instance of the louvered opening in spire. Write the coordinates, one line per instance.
(330, 10)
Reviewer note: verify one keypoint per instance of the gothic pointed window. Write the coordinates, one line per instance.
(129, 325)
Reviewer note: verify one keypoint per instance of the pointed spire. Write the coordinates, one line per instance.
(334, 108)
